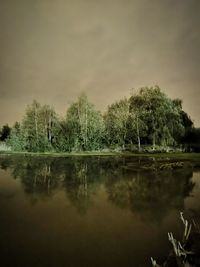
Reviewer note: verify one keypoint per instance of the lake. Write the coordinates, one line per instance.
(92, 211)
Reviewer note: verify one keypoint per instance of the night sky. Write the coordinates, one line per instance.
(52, 50)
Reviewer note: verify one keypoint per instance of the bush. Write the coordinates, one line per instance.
(4, 147)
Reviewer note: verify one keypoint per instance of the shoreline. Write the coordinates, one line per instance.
(171, 155)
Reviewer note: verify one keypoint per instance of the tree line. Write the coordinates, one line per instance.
(148, 119)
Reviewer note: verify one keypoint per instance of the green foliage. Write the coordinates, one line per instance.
(85, 126)
(157, 114)
(4, 147)
(17, 138)
(138, 115)
(116, 122)
(36, 132)
(146, 118)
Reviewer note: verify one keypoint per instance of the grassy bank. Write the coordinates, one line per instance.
(171, 155)
(61, 154)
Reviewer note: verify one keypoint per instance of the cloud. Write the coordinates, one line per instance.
(53, 50)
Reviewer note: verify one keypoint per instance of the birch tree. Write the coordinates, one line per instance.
(137, 113)
(116, 121)
(85, 125)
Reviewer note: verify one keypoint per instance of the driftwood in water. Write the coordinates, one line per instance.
(187, 252)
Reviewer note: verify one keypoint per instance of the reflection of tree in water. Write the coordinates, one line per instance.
(151, 193)
(81, 180)
(41, 177)
(84, 175)
(37, 175)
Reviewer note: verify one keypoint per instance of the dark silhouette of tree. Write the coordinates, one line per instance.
(5, 132)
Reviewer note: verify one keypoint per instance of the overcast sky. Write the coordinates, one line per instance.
(52, 50)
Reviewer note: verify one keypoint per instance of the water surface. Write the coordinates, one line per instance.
(91, 211)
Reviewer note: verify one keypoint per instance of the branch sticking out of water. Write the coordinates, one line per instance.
(154, 263)
(182, 256)
(187, 229)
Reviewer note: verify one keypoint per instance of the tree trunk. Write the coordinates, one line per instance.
(138, 134)
(49, 134)
(154, 141)
(86, 126)
(36, 125)
(139, 145)
(154, 135)
(124, 140)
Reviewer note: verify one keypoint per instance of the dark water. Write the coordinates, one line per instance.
(91, 211)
